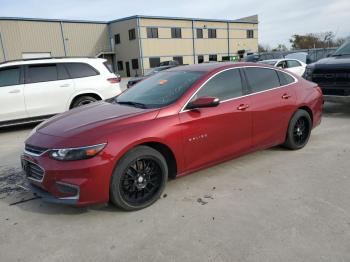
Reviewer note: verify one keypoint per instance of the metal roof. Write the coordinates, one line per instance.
(250, 19)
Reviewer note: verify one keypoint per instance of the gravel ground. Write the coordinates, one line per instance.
(272, 205)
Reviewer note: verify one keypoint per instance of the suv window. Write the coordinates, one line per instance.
(41, 73)
(77, 70)
(293, 63)
(261, 79)
(285, 79)
(225, 85)
(9, 76)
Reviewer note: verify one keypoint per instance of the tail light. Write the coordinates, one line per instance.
(114, 80)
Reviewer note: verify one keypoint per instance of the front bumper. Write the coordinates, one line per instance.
(80, 183)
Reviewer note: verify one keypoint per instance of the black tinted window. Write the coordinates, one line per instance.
(285, 79)
(10, 76)
(161, 89)
(179, 59)
(200, 59)
(62, 72)
(175, 32)
(211, 33)
(41, 73)
(154, 62)
(225, 85)
(132, 34)
(152, 32)
(261, 79)
(77, 70)
(135, 63)
(199, 33)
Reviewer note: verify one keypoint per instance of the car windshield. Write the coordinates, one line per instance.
(343, 50)
(268, 62)
(159, 90)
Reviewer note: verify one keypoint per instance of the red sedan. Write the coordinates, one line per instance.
(171, 124)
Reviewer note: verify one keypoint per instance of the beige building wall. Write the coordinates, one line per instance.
(85, 39)
(127, 49)
(239, 40)
(31, 36)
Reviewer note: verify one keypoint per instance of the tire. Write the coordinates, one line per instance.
(130, 192)
(299, 130)
(83, 100)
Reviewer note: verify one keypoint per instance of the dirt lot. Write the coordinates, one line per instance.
(272, 205)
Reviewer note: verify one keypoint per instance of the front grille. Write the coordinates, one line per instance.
(35, 150)
(33, 171)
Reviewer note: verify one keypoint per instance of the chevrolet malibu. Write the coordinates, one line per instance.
(169, 125)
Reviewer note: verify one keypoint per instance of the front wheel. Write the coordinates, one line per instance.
(139, 179)
(299, 130)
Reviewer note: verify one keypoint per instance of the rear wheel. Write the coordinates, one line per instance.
(139, 179)
(299, 130)
(83, 100)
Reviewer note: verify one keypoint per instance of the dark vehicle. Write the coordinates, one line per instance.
(262, 56)
(332, 74)
(169, 63)
(153, 71)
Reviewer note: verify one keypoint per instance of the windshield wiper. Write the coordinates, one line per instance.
(131, 103)
(340, 54)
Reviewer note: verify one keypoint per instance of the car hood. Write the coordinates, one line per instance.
(333, 62)
(101, 117)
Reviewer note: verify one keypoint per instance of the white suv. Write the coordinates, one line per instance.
(33, 90)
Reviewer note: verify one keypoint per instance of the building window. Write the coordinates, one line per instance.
(199, 33)
(211, 33)
(213, 58)
(179, 59)
(120, 65)
(200, 59)
(250, 33)
(117, 39)
(176, 32)
(135, 63)
(154, 62)
(152, 32)
(132, 34)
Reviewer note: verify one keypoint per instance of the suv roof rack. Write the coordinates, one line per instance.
(44, 58)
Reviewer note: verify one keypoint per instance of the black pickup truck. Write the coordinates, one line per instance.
(332, 74)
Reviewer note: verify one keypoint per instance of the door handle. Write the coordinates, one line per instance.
(286, 96)
(64, 85)
(15, 91)
(242, 107)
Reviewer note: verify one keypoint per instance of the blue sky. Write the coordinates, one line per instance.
(278, 19)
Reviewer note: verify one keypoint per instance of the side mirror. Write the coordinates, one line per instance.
(204, 101)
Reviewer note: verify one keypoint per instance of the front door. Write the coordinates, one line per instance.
(127, 66)
(11, 94)
(212, 134)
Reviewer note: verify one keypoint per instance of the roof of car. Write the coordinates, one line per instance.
(207, 67)
(49, 60)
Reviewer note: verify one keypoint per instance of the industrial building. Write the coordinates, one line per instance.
(133, 44)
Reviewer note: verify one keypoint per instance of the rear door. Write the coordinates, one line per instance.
(272, 104)
(11, 94)
(212, 134)
(47, 89)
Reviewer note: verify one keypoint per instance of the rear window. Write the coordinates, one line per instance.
(9, 76)
(108, 66)
(285, 79)
(77, 70)
(41, 73)
(261, 79)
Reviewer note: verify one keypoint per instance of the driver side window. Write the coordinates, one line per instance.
(225, 85)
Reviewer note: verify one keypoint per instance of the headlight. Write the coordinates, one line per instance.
(78, 153)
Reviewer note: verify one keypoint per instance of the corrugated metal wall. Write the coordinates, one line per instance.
(82, 39)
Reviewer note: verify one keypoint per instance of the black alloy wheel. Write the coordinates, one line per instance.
(139, 178)
(299, 130)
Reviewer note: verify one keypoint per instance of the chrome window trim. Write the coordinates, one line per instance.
(33, 154)
(235, 98)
